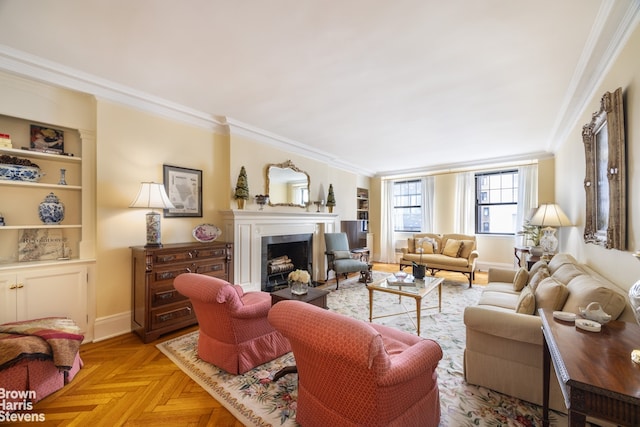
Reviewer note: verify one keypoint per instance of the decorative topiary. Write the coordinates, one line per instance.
(331, 199)
(242, 188)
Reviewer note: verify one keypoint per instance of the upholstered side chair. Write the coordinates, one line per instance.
(339, 257)
(354, 373)
(235, 334)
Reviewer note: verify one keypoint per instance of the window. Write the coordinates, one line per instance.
(407, 205)
(496, 202)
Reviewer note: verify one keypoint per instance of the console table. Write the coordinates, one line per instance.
(594, 369)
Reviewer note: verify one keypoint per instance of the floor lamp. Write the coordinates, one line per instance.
(152, 195)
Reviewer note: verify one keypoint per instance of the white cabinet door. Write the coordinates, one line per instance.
(8, 294)
(56, 291)
(45, 292)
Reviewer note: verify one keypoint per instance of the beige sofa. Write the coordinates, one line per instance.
(449, 252)
(504, 341)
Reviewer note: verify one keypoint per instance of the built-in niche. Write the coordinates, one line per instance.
(605, 178)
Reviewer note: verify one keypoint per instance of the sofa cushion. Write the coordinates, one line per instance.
(499, 299)
(567, 272)
(341, 254)
(452, 248)
(551, 294)
(521, 279)
(585, 289)
(539, 276)
(526, 302)
(467, 247)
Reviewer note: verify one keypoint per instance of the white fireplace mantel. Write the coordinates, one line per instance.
(245, 230)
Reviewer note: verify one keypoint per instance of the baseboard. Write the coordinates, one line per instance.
(484, 266)
(112, 326)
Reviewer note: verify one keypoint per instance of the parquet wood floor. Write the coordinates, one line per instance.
(127, 383)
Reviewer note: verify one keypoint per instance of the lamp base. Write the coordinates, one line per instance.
(153, 230)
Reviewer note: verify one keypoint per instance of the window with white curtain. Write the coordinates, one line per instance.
(497, 202)
(407, 205)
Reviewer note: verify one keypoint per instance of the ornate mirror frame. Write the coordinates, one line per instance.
(273, 198)
(605, 180)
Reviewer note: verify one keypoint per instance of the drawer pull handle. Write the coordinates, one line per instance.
(165, 295)
(173, 314)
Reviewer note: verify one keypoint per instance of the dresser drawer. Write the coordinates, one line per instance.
(163, 295)
(170, 315)
(211, 267)
(189, 255)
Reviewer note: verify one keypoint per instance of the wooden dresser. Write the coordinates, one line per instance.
(157, 308)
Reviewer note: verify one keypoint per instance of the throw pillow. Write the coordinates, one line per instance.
(539, 276)
(411, 245)
(526, 302)
(425, 244)
(466, 248)
(451, 248)
(520, 280)
(535, 267)
(341, 254)
(551, 294)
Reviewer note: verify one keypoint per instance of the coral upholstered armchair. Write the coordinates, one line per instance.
(354, 373)
(235, 334)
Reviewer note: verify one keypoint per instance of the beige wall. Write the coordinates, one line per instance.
(617, 265)
(132, 147)
(255, 156)
(495, 250)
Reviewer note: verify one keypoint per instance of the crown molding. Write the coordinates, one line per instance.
(495, 162)
(239, 128)
(612, 28)
(36, 68)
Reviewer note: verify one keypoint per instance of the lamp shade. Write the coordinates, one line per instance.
(550, 215)
(152, 195)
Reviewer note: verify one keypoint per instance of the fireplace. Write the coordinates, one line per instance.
(283, 254)
(245, 229)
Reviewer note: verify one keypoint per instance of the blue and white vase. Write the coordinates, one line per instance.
(51, 210)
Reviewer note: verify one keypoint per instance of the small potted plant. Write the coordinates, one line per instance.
(532, 234)
(242, 188)
(331, 199)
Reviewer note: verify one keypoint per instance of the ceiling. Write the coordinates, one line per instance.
(373, 86)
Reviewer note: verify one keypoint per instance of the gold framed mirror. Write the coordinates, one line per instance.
(287, 185)
(605, 178)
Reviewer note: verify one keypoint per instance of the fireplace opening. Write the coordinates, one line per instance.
(282, 255)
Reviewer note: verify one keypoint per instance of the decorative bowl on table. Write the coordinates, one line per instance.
(206, 233)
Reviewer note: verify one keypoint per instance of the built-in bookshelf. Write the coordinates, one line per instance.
(362, 200)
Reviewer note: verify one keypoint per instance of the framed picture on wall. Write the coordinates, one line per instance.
(184, 188)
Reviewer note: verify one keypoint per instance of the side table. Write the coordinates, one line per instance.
(317, 297)
(594, 369)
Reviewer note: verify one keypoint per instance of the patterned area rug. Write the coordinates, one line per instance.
(258, 401)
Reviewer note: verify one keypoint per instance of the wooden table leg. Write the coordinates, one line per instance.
(370, 304)
(440, 297)
(284, 371)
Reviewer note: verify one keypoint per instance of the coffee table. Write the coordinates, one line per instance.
(417, 291)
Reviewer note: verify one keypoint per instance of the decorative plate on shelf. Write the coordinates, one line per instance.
(206, 233)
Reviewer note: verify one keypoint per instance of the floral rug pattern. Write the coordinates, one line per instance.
(256, 400)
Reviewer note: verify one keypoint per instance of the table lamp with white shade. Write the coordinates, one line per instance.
(152, 195)
(548, 216)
